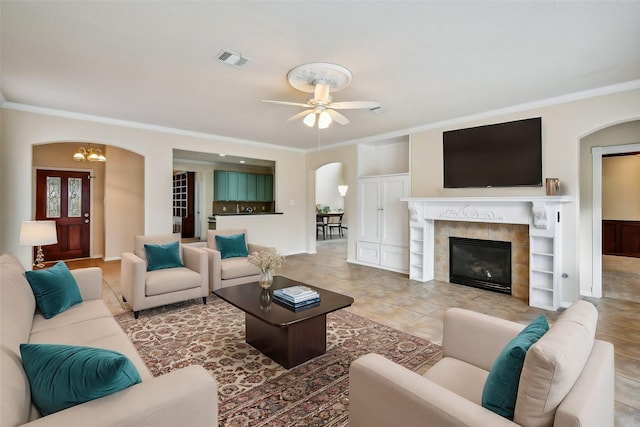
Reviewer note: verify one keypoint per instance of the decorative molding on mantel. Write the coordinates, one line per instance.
(532, 210)
(471, 212)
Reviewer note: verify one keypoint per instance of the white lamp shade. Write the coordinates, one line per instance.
(310, 119)
(342, 189)
(36, 233)
(324, 120)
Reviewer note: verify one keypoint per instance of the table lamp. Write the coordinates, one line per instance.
(38, 233)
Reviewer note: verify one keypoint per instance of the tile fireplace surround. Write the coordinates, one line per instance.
(533, 225)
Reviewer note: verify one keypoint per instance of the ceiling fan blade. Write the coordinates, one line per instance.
(295, 104)
(337, 117)
(299, 115)
(321, 92)
(354, 105)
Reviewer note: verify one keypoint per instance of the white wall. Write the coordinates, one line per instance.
(621, 187)
(21, 130)
(328, 177)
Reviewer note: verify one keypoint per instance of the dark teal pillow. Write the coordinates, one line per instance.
(55, 289)
(501, 388)
(163, 256)
(232, 246)
(61, 376)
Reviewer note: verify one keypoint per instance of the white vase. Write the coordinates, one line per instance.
(266, 279)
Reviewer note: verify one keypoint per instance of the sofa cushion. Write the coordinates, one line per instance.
(62, 376)
(462, 378)
(232, 246)
(55, 289)
(501, 388)
(79, 313)
(171, 280)
(553, 364)
(163, 256)
(232, 268)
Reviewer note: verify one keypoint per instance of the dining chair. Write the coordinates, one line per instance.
(335, 222)
(321, 224)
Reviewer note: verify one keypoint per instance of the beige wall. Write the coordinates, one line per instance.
(21, 130)
(621, 187)
(124, 201)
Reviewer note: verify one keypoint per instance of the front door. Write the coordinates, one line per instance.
(65, 197)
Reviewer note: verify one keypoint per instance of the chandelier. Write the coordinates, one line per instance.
(89, 155)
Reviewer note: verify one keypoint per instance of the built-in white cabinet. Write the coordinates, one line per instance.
(383, 226)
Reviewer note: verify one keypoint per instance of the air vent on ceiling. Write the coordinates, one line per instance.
(377, 110)
(231, 58)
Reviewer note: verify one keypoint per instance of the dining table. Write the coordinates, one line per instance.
(323, 219)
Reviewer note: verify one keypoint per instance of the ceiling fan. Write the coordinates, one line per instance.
(320, 79)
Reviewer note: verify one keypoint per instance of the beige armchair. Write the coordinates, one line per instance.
(144, 289)
(230, 271)
(567, 378)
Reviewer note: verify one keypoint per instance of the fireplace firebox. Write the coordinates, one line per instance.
(484, 264)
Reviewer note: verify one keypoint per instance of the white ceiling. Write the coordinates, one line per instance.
(425, 61)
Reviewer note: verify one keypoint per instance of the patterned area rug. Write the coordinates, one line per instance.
(252, 389)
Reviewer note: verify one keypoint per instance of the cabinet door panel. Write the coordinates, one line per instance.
(252, 183)
(232, 186)
(368, 252)
(260, 187)
(395, 214)
(369, 212)
(394, 257)
(221, 184)
(268, 188)
(243, 189)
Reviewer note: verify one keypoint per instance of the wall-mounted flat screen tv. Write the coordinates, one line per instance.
(498, 155)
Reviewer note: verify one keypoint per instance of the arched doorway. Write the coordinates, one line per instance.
(116, 211)
(331, 216)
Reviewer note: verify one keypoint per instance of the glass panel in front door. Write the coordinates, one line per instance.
(75, 197)
(53, 197)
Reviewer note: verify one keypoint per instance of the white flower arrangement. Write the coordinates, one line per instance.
(266, 260)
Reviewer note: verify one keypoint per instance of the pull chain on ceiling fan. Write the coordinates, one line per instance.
(320, 79)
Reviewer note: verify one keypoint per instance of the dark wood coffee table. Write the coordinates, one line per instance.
(286, 336)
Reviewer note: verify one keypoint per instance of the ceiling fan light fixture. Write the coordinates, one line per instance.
(324, 120)
(310, 119)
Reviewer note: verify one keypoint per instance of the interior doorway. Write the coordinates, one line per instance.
(597, 219)
(330, 200)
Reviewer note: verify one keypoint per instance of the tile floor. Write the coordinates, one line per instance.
(417, 308)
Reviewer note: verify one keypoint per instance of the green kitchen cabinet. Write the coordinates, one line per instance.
(252, 187)
(221, 185)
(260, 187)
(268, 188)
(232, 186)
(243, 186)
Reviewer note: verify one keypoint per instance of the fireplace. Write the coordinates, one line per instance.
(484, 264)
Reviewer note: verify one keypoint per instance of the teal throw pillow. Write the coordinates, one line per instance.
(501, 388)
(61, 376)
(163, 256)
(232, 246)
(55, 289)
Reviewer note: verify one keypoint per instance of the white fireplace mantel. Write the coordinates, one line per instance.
(541, 213)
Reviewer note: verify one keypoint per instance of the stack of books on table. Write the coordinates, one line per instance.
(296, 297)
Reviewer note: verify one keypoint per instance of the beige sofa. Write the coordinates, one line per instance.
(567, 378)
(183, 397)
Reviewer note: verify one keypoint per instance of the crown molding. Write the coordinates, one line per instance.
(139, 125)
